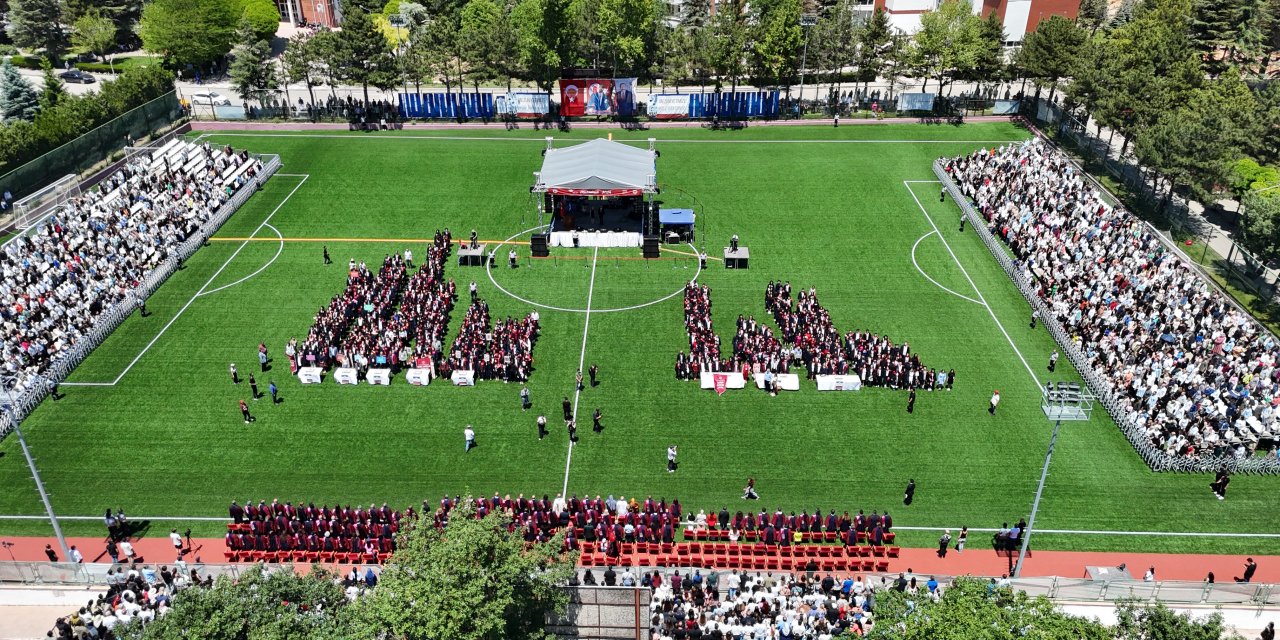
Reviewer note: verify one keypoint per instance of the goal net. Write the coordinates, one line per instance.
(31, 209)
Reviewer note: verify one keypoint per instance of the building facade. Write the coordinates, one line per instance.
(313, 12)
(1020, 17)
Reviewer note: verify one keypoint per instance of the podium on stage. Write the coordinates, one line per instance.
(471, 257)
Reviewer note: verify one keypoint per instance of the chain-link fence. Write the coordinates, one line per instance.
(61, 367)
(95, 146)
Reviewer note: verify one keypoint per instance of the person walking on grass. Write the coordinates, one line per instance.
(995, 402)
(671, 459)
(235, 375)
(909, 495)
(568, 409)
(911, 401)
(594, 373)
(244, 411)
(253, 387)
(1053, 360)
(469, 435)
(327, 259)
(595, 420)
(275, 392)
(542, 427)
(578, 378)
(572, 427)
(524, 398)
(1035, 317)
(962, 218)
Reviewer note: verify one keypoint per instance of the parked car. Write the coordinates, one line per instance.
(212, 98)
(76, 75)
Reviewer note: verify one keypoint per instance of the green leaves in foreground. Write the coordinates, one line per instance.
(473, 581)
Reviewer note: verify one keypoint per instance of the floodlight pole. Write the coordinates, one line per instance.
(806, 20)
(35, 475)
(1035, 504)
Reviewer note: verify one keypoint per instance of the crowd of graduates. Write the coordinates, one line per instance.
(501, 351)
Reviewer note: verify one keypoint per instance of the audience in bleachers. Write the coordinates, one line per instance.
(58, 280)
(1195, 373)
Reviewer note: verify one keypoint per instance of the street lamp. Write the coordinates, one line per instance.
(1061, 401)
(8, 384)
(806, 20)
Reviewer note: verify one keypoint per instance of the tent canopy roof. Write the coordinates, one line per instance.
(598, 167)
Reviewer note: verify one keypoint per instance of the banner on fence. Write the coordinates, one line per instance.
(915, 102)
(739, 104)
(446, 105)
(523, 105)
(624, 97)
(346, 375)
(673, 106)
(309, 375)
(1006, 108)
(586, 97)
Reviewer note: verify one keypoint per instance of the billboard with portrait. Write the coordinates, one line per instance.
(586, 97)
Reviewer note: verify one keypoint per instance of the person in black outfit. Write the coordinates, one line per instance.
(542, 427)
(610, 577)
(568, 408)
(595, 420)
(1219, 484)
(910, 494)
(593, 372)
(1250, 567)
(942, 195)
(326, 255)
(911, 401)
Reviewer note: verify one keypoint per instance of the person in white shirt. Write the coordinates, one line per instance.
(76, 556)
(995, 401)
(176, 539)
(127, 549)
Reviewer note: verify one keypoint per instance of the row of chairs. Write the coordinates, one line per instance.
(756, 557)
(805, 536)
(307, 557)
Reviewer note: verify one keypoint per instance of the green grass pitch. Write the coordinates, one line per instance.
(820, 207)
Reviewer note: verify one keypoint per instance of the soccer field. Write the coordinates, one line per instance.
(151, 423)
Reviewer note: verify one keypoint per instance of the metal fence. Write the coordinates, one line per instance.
(1119, 408)
(1054, 587)
(26, 401)
(95, 145)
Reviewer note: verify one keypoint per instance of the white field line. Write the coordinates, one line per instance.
(582, 359)
(260, 269)
(926, 276)
(198, 293)
(977, 291)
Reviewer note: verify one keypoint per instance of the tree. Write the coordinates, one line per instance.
(1215, 28)
(1124, 13)
(18, 99)
(728, 44)
(988, 59)
(37, 25)
(364, 55)
(301, 63)
(538, 26)
(1051, 52)
(475, 580)
(326, 58)
(123, 13)
(1137, 620)
(95, 33)
(252, 73)
(627, 30)
(189, 31)
(836, 36)
(1260, 223)
(583, 33)
(263, 15)
(972, 608)
(52, 90)
(1091, 15)
(947, 44)
(487, 41)
(873, 42)
(261, 603)
(777, 39)
(1246, 175)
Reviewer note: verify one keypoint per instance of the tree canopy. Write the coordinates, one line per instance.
(189, 31)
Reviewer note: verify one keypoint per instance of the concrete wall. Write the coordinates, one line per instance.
(604, 613)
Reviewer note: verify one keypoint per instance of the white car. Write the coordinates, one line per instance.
(212, 98)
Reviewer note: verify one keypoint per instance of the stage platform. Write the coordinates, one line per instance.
(596, 238)
(468, 257)
(736, 259)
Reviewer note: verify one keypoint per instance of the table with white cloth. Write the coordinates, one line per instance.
(838, 383)
(733, 379)
(624, 239)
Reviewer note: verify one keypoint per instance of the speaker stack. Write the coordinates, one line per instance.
(539, 245)
(652, 246)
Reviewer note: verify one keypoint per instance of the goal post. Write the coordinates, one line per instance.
(31, 209)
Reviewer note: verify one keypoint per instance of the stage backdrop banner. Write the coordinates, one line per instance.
(839, 383)
(378, 376)
(672, 106)
(309, 375)
(464, 378)
(524, 105)
(733, 380)
(346, 375)
(587, 97)
(786, 381)
(418, 377)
